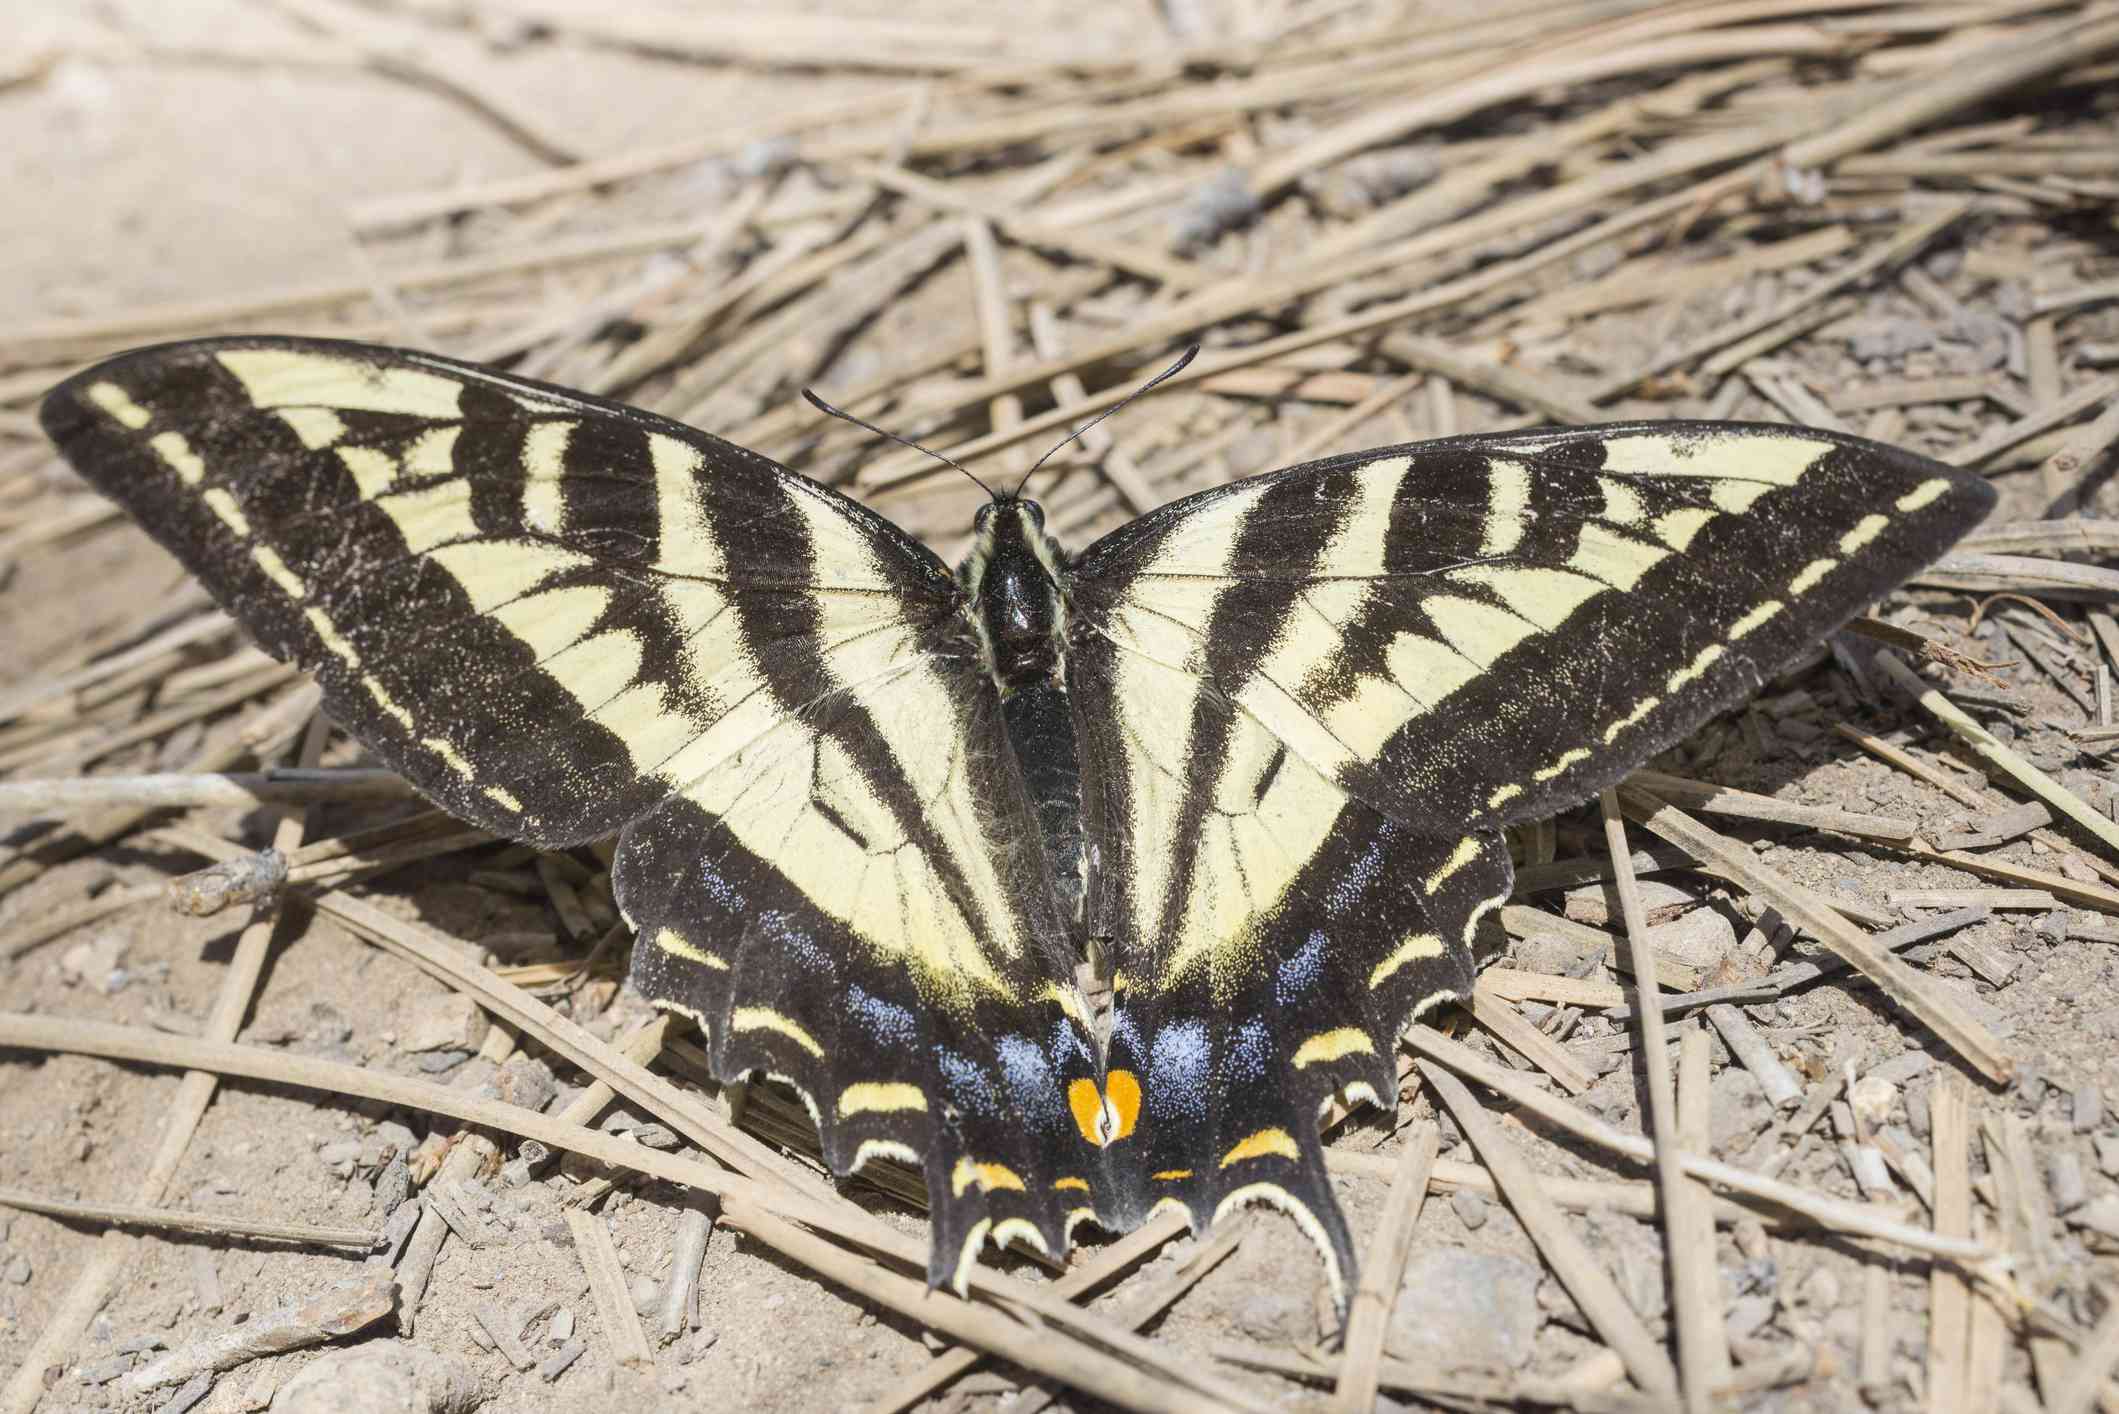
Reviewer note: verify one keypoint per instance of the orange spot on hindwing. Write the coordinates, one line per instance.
(1122, 1094)
(1108, 1116)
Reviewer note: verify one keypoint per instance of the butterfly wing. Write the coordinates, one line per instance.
(562, 619)
(1310, 701)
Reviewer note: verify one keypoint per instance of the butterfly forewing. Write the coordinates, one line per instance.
(562, 619)
(1308, 702)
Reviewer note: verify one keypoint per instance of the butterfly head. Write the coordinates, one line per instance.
(1014, 587)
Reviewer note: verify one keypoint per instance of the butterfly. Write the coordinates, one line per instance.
(1256, 748)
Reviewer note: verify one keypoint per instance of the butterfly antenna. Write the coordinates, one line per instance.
(1078, 433)
(821, 406)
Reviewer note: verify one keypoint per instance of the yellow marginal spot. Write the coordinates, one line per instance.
(1507, 505)
(1418, 946)
(544, 460)
(277, 378)
(1328, 1046)
(1503, 795)
(1265, 1143)
(505, 799)
(675, 946)
(171, 447)
(231, 514)
(1776, 460)
(384, 700)
(1466, 851)
(1695, 668)
(1070, 1182)
(1914, 499)
(1811, 574)
(449, 754)
(758, 1018)
(1122, 1095)
(960, 1281)
(115, 401)
(317, 427)
(987, 1176)
(1677, 528)
(1566, 760)
(1755, 618)
(1640, 710)
(880, 1097)
(332, 639)
(877, 1148)
(275, 568)
(1862, 534)
(1171, 1175)
(1009, 1230)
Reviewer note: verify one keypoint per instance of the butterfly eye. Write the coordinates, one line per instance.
(983, 517)
(1036, 513)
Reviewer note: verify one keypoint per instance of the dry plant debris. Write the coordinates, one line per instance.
(1869, 971)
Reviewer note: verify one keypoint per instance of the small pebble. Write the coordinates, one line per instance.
(102, 1372)
(1747, 1315)
(1470, 1208)
(2064, 1178)
(16, 1271)
(556, 1363)
(562, 1328)
(2107, 1155)
(647, 1294)
(2088, 1105)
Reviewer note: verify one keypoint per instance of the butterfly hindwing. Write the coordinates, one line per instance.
(561, 618)
(1308, 702)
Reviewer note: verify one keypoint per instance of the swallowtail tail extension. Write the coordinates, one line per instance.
(1259, 745)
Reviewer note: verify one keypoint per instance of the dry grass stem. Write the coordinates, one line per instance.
(178, 1220)
(1383, 1270)
(1696, 1368)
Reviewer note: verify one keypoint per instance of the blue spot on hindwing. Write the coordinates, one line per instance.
(1354, 881)
(890, 1024)
(1029, 1077)
(719, 889)
(795, 943)
(969, 1084)
(1249, 1049)
(1301, 972)
(1178, 1067)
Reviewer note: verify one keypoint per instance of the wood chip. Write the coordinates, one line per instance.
(609, 1289)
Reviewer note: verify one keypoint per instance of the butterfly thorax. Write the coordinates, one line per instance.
(1014, 597)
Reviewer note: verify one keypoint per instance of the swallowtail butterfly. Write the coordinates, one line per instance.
(1258, 745)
